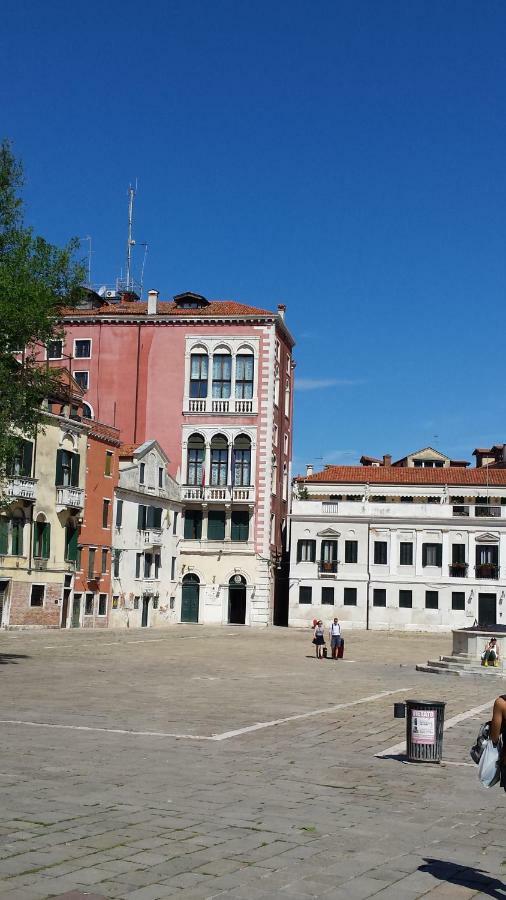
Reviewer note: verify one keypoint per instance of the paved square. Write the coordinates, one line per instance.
(198, 763)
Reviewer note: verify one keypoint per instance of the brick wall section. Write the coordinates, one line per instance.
(24, 615)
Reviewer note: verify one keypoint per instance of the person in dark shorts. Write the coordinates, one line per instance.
(319, 639)
(498, 728)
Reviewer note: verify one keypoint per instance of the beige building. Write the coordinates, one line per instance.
(43, 499)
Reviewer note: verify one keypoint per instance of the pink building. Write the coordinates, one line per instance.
(212, 381)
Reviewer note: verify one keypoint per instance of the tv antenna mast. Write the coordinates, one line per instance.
(130, 241)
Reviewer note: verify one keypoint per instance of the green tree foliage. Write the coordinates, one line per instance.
(37, 280)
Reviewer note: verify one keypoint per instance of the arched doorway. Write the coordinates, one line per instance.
(190, 598)
(237, 600)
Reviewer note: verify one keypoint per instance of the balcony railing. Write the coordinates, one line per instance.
(487, 570)
(488, 511)
(232, 406)
(219, 493)
(458, 570)
(153, 537)
(21, 488)
(69, 497)
(327, 568)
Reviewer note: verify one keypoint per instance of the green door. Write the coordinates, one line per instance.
(76, 611)
(190, 599)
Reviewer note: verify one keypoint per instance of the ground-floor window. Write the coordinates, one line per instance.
(327, 596)
(431, 600)
(458, 600)
(102, 604)
(350, 596)
(405, 599)
(37, 594)
(379, 597)
(88, 605)
(305, 595)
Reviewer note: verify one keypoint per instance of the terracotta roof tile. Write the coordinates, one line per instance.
(397, 475)
(127, 449)
(165, 308)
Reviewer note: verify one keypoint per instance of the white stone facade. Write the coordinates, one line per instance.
(146, 545)
(431, 561)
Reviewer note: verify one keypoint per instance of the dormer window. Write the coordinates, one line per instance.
(189, 300)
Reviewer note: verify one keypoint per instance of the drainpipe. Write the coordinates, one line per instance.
(34, 469)
(137, 378)
(368, 576)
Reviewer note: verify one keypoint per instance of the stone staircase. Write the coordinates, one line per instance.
(460, 664)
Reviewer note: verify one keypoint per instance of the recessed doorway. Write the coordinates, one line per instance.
(487, 612)
(237, 600)
(190, 594)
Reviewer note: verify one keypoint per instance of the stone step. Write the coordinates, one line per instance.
(443, 668)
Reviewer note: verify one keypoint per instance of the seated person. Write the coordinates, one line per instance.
(491, 653)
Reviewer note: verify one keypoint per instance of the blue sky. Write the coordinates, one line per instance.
(345, 158)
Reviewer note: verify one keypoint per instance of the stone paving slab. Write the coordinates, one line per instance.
(298, 809)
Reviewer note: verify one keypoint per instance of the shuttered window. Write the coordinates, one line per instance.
(240, 525)
(216, 525)
(432, 554)
(41, 540)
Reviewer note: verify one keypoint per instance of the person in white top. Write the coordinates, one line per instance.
(335, 637)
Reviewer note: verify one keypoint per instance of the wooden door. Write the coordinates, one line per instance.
(76, 611)
(145, 612)
(487, 614)
(190, 601)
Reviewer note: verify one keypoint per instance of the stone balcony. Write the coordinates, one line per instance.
(232, 406)
(218, 493)
(69, 498)
(152, 537)
(21, 488)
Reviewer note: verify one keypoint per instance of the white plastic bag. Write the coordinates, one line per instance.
(488, 767)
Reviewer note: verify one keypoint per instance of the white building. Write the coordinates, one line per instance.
(418, 545)
(147, 529)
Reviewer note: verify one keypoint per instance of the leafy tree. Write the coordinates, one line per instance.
(37, 280)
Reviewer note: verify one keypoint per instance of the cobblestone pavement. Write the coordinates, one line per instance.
(121, 790)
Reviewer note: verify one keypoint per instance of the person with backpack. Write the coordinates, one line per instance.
(335, 637)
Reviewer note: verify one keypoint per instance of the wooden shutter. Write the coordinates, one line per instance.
(46, 540)
(424, 554)
(119, 513)
(27, 458)
(157, 516)
(299, 551)
(59, 467)
(75, 460)
(4, 535)
(71, 541)
(141, 517)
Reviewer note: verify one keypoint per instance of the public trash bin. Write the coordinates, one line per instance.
(424, 730)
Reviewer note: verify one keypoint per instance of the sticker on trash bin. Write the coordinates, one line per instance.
(423, 726)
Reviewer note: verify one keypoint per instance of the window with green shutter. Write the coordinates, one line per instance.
(17, 526)
(20, 462)
(141, 517)
(154, 517)
(4, 535)
(41, 540)
(71, 534)
(240, 525)
(193, 524)
(216, 525)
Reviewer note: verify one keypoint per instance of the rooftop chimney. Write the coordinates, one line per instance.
(152, 302)
(282, 310)
(387, 459)
(309, 469)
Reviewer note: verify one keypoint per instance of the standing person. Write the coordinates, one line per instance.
(498, 729)
(491, 653)
(319, 639)
(335, 637)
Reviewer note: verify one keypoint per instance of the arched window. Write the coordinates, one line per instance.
(241, 461)
(222, 375)
(87, 411)
(287, 397)
(219, 460)
(196, 455)
(191, 578)
(244, 371)
(274, 485)
(199, 368)
(41, 537)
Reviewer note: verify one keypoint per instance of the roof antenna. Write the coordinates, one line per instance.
(130, 242)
